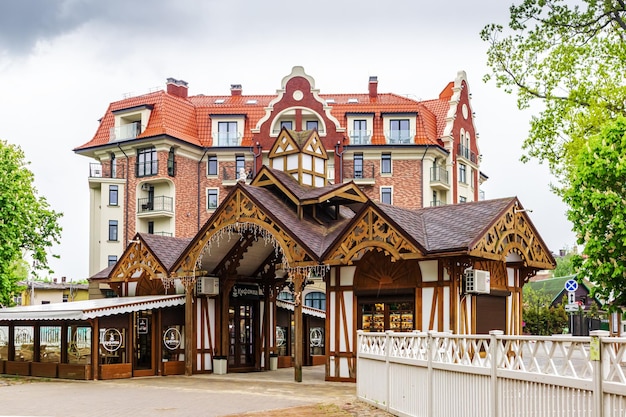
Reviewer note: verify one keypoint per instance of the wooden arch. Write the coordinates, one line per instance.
(371, 231)
(137, 257)
(513, 233)
(376, 271)
(238, 213)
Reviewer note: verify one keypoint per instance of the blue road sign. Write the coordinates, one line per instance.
(571, 285)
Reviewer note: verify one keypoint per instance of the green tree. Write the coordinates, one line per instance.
(28, 227)
(571, 59)
(540, 318)
(596, 198)
(565, 265)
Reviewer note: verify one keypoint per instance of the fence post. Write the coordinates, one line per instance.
(494, 353)
(430, 351)
(595, 354)
(388, 335)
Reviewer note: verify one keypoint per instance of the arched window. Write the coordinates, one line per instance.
(315, 299)
(285, 296)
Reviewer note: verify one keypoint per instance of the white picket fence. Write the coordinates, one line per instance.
(444, 375)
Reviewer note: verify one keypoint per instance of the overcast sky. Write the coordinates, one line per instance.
(63, 61)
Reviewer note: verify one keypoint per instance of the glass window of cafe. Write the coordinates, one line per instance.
(380, 314)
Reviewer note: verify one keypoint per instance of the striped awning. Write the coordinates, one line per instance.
(309, 311)
(89, 309)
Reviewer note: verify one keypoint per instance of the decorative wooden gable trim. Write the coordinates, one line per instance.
(284, 145)
(349, 192)
(240, 215)
(514, 233)
(137, 257)
(265, 178)
(368, 231)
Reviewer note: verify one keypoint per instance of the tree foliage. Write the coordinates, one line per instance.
(569, 58)
(565, 265)
(28, 227)
(540, 318)
(597, 207)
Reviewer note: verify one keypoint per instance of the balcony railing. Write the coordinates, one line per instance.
(147, 168)
(227, 138)
(107, 170)
(437, 203)
(365, 174)
(158, 203)
(129, 131)
(465, 152)
(400, 137)
(360, 137)
(439, 174)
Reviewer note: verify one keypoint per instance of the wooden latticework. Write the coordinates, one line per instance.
(371, 231)
(137, 258)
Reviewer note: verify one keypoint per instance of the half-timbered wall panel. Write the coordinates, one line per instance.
(446, 310)
(428, 315)
(205, 333)
(429, 271)
(132, 289)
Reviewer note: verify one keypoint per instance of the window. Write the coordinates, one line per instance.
(112, 260)
(212, 165)
(286, 125)
(315, 299)
(360, 135)
(150, 227)
(113, 230)
(358, 165)
(147, 162)
(17, 299)
(463, 173)
(227, 134)
(385, 195)
(311, 125)
(285, 295)
(462, 199)
(399, 131)
(211, 198)
(65, 298)
(171, 163)
(385, 163)
(113, 195)
(240, 163)
(113, 166)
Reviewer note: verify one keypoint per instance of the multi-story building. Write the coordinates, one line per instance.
(165, 160)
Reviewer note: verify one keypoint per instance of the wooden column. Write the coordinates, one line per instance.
(189, 342)
(297, 319)
(95, 344)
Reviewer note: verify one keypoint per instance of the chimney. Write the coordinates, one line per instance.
(178, 88)
(235, 89)
(54, 280)
(63, 279)
(373, 86)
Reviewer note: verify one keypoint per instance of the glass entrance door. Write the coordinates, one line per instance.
(241, 325)
(143, 365)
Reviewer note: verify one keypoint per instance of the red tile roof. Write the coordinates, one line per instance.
(189, 119)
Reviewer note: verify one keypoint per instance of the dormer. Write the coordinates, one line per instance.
(130, 122)
(298, 119)
(302, 155)
(227, 129)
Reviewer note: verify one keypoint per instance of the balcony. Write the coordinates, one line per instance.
(465, 152)
(437, 203)
(439, 178)
(400, 137)
(124, 132)
(106, 170)
(360, 137)
(157, 206)
(227, 138)
(320, 131)
(364, 175)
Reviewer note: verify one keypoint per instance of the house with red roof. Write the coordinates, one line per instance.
(162, 162)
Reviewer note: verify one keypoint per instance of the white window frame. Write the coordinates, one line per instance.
(386, 187)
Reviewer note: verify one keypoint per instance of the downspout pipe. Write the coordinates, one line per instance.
(125, 195)
(340, 158)
(198, 186)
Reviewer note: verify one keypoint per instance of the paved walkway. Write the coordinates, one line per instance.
(255, 394)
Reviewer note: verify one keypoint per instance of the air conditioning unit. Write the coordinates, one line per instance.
(145, 186)
(208, 285)
(477, 281)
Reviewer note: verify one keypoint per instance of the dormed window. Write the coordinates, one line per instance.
(227, 134)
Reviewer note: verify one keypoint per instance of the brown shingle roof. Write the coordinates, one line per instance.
(165, 248)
